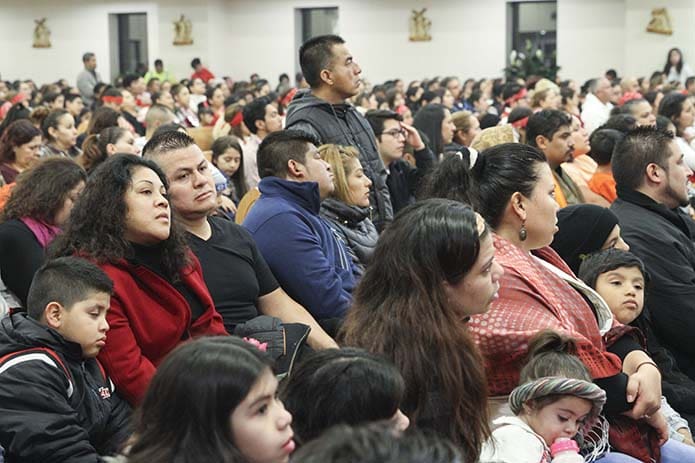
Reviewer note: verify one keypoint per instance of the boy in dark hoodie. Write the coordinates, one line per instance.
(56, 404)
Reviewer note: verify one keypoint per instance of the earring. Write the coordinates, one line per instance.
(522, 232)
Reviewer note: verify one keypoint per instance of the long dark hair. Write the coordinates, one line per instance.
(185, 415)
(41, 191)
(429, 120)
(449, 180)
(97, 223)
(679, 65)
(341, 386)
(400, 310)
(671, 106)
(219, 147)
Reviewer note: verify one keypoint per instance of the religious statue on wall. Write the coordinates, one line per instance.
(42, 34)
(660, 22)
(420, 27)
(183, 30)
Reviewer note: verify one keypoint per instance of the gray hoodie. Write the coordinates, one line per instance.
(342, 124)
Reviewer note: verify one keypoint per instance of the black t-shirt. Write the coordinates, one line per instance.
(234, 271)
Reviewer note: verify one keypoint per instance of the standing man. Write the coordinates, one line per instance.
(88, 78)
(324, 112)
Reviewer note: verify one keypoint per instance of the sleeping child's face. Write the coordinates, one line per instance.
(623, 291)
(562, 418)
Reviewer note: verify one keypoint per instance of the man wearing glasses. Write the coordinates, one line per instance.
(392, 135)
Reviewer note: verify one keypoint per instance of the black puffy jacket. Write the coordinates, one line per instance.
(55, 406)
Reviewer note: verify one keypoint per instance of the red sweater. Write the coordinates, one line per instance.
(204, 74)
(149, 318)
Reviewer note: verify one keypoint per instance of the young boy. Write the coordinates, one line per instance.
(620, 278)
(602, 142)
(56, 404)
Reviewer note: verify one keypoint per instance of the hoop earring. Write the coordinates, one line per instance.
(522, 232)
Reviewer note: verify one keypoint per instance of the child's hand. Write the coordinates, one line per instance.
(658, 422)
(644, 391)
(226, 204)
(687, 437)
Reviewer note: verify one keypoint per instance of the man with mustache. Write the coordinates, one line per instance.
(550, 131)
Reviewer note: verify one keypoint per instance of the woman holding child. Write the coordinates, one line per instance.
(515, 194)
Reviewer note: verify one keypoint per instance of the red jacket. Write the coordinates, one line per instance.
(148, 318)
(203, 74)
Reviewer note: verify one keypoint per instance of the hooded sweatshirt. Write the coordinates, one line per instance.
(46, 415)
(302, 250)
(342, 124)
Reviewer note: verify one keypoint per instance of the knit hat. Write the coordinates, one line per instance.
(583, 229)
(556, 385)
(493, 136)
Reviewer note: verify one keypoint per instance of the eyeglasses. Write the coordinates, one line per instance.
(395, 133)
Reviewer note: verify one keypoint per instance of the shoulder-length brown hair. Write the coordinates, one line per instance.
(41, 191)
(400, 310)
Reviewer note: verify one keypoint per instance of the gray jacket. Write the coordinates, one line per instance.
(342, 124)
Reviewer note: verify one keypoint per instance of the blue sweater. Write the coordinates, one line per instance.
(307, 259)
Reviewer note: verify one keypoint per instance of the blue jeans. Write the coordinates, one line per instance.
(671, 452)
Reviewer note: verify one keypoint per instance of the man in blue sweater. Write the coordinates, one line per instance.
(308, 260)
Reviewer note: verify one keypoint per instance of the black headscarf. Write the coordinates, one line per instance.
(584, 229)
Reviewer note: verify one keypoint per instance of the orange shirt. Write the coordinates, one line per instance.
(603, 183)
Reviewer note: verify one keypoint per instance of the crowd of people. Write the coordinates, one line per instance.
(444, 270)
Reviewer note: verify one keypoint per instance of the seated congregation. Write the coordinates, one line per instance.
(208, 270)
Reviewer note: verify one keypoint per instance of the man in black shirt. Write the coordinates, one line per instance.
(240, 282)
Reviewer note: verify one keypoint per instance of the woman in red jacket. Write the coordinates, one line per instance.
(123, 222)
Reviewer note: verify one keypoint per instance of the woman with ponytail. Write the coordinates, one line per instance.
(98, 147)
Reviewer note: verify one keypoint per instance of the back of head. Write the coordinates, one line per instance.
(671, 106)
(449, 180)
(377, 444)
(102, 118)
(607, 260)
(501, 171)
(341, 386)
(165, 142)
(545, 123)
(315, 55)
(67, 281)
(218, 372)
(428, 243)
(582, 229)
(552, 354)
(158, 115)
(280, 147)
(429, 120)
(603, 142)
(94, 147)
(621, 122)
(41, 191)
(631, 156)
